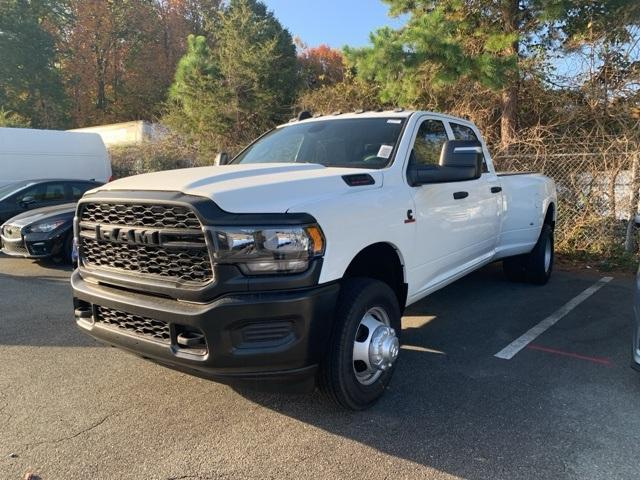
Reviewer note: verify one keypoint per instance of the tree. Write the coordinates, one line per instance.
(442, 43)
(102, 39)
(606, 34)
(197, 96)
(12, 119)
(121, 55)
(320, 66)
(30, 83)
(237, 82)
(497, 45)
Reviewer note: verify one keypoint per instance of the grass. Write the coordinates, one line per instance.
(615, 260)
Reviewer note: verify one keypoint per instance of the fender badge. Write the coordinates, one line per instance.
(410, 218)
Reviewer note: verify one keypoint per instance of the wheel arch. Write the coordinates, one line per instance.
(381, 261)
(550, 215)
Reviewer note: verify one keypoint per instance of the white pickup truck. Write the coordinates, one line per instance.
(294, 262)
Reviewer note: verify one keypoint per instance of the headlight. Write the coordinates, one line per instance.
(45, 226)
(268, 250)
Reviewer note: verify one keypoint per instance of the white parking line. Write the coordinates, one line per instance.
(508, 352)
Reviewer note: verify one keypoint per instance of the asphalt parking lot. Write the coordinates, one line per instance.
(564, 407)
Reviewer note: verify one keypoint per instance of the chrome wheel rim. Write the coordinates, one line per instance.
(547, 255)
(375, 346)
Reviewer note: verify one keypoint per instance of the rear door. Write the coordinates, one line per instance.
(488, 194)
(53, 193)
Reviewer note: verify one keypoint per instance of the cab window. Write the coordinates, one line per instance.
(462, 132)
(428, 144)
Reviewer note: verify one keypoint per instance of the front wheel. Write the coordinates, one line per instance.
(536, 266)
(66, 252)
(364, 344)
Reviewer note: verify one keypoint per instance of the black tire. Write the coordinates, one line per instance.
(337, 378)
(538, 269)
(514, 269)
(65, 254)
(535, 267)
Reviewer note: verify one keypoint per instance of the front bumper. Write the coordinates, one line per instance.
(35, 245)
(272, 335)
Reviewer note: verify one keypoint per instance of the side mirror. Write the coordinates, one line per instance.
(462, 154)
(222, 158)
(460, 160)
(28, 200)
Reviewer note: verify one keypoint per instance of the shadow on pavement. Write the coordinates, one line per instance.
(36, 307)
(456, 408)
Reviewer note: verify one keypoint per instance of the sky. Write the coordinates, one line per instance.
(333, 22)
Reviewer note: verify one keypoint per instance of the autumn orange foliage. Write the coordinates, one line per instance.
(321, 66)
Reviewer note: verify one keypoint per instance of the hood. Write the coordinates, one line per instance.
(252, 188)
(42, 214)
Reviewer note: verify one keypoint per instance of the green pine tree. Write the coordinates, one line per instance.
(444, 42)
(236, 83)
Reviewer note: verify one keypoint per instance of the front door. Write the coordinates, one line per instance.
(451, 218)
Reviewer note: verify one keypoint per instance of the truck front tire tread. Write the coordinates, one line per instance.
(336, 377)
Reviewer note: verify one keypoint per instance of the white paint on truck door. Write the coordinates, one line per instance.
(458, 223)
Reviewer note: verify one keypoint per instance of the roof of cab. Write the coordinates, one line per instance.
(396, 113)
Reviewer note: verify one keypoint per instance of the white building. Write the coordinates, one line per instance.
(126, 133)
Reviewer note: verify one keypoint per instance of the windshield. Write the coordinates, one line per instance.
(353, 142)
(7, 190)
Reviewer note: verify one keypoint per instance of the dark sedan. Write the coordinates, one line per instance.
(19, 197)
(40, 233)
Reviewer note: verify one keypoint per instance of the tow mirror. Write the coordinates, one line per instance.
(460, 160)
(222, 158)
(462, 154)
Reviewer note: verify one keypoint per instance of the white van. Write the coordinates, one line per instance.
(27, 154)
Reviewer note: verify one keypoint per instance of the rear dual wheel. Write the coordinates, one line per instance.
(536, 266)
(364, 345)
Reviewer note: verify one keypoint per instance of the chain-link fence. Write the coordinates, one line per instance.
(597, 184)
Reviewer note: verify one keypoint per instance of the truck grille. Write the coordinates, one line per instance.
(135, 324)
(162, 241)
(157, 216)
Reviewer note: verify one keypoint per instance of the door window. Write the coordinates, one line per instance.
(462, 132)
(78, 189)
(34, 192)
(428, 145)
(53, 192)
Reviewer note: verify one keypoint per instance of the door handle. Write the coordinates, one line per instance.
(460, 195)
(496, 189)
